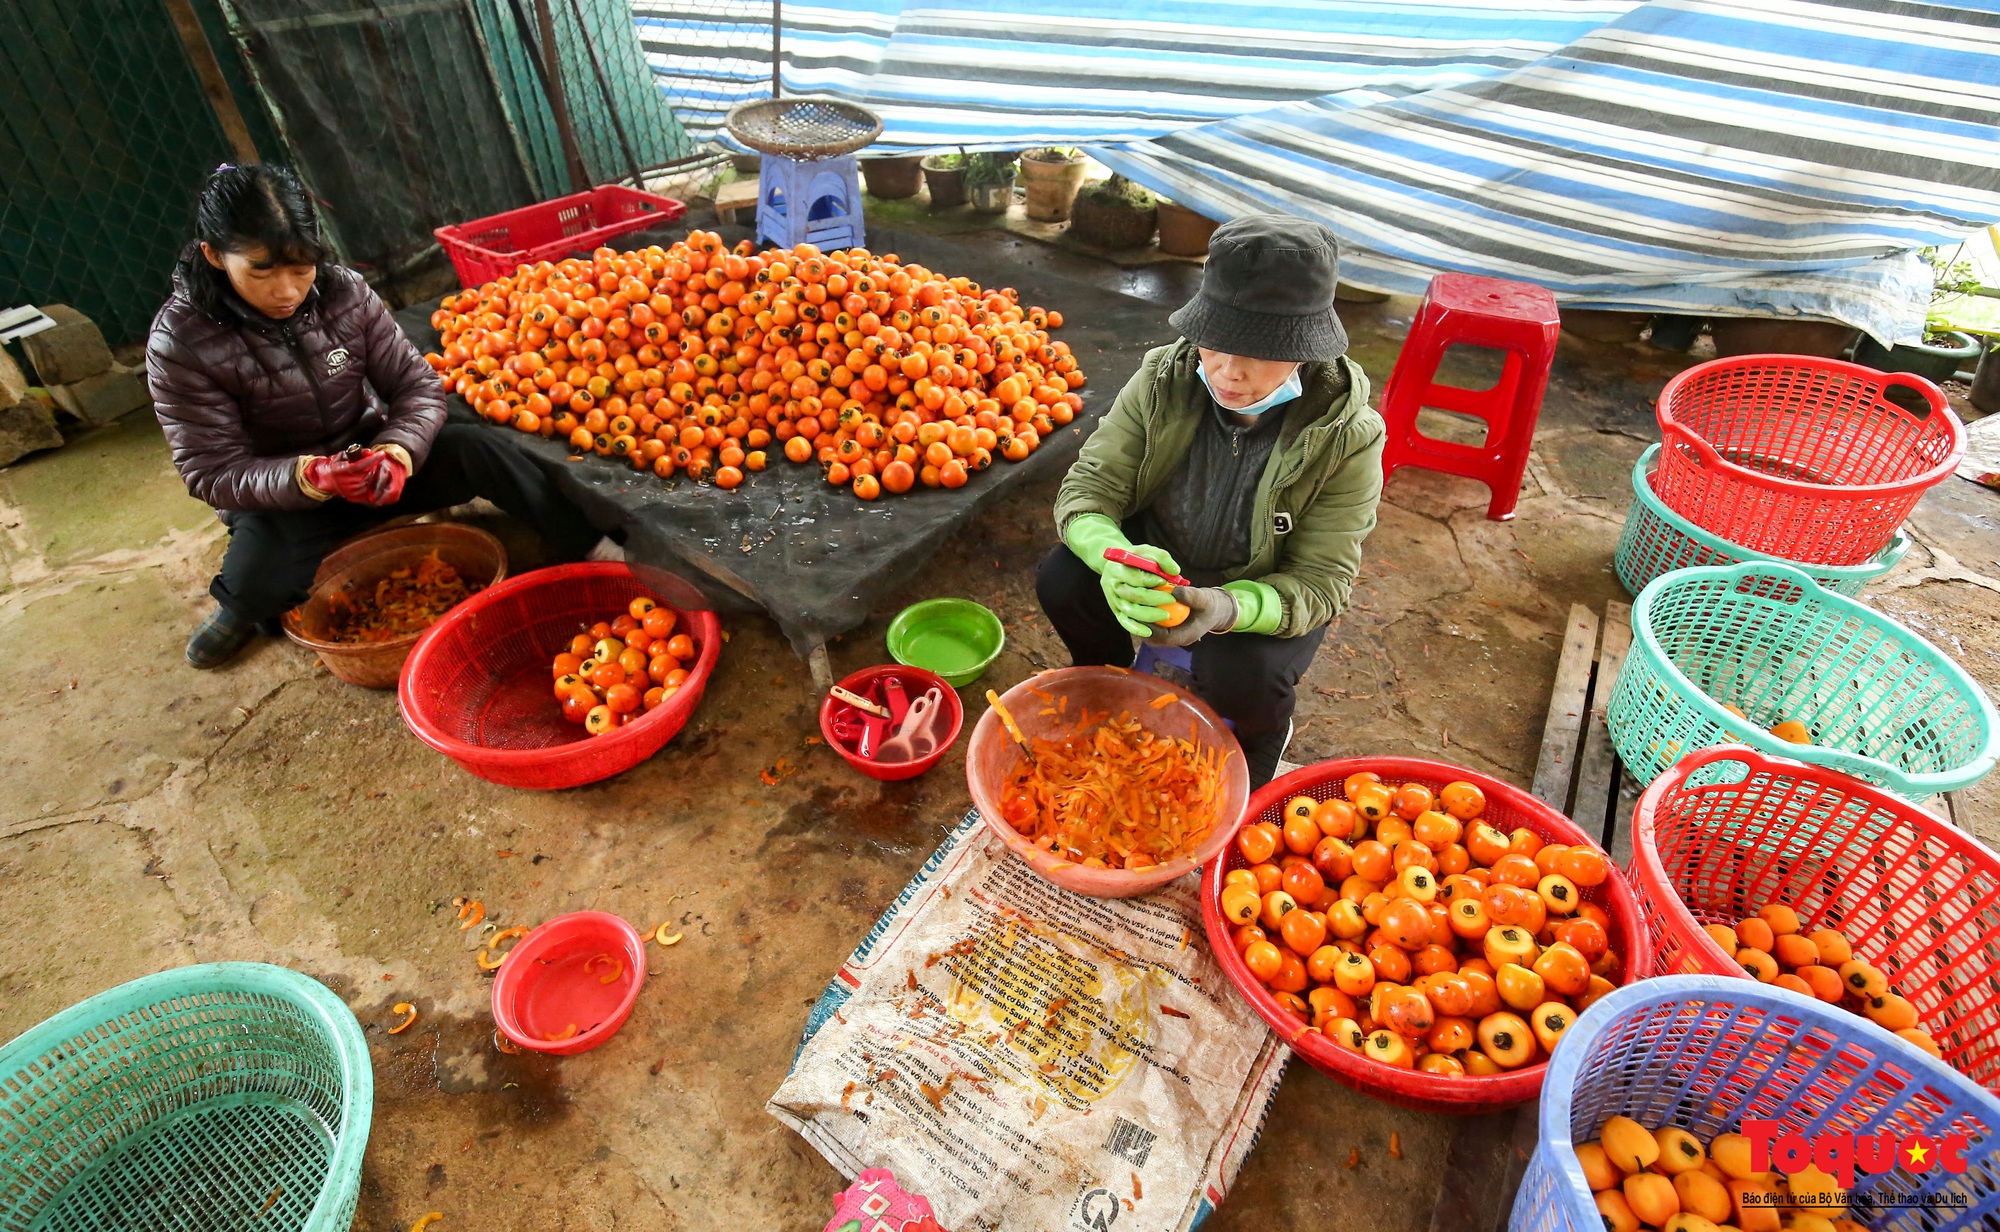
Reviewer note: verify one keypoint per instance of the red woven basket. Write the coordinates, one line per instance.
(489, 248)
(1728, 830)
(1507, 807)
(477, 687)
(1798, 457)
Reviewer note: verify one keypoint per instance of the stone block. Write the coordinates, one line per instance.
(73, 351)
(26, 427)
(103, 398)
(13, 382)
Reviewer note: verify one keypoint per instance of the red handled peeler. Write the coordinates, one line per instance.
(1119, 556)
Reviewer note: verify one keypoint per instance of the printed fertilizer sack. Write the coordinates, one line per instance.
(1029, 1058)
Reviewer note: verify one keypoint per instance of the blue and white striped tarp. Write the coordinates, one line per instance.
(1760, 157)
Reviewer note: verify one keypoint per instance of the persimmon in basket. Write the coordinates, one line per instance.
(617, 670)
(1400, 924)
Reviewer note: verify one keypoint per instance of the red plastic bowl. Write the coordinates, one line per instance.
(1507, 807)
(543, 986)
(915, 681)
(477, 686)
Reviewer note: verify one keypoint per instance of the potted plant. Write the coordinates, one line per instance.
(945, 174)
(1183, 232)
(1986, 381)
(989, 177)
(1052, 175)
(1943, 350)
(1776, 336)
(893, 178)
(1113, 213)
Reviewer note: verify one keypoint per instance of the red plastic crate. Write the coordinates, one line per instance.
(477, 687)
(489, 248)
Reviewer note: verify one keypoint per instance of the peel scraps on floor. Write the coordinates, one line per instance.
(407, 601)
(1112, 794)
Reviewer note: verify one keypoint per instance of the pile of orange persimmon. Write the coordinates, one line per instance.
(702, 360)
(618, 669)
(1400, 924)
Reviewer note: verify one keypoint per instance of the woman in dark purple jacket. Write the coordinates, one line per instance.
(295, 405)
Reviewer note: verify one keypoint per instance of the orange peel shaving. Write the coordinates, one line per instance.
(1111, 793)
(472, 913)
(426, 1221)
(614, 967)
(568, 1032)
(410, 1016)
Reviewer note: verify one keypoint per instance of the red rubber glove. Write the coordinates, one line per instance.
(386, 480)
(349, 480)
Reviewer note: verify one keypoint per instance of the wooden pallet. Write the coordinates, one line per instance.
(1577, 774)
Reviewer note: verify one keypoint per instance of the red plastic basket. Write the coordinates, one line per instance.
(477, 687)
(1507, 807)
(489, 248)
(1728, 830)
(1799, 457)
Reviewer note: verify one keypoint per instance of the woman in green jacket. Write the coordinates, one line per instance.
(1244, 457)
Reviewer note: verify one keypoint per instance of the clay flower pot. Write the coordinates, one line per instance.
(1767, 336)
(1110, 224)
(891, 179)
(947, 184)
(1184, 233)
(1051, 185)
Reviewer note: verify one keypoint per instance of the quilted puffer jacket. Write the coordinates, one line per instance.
(243, 399)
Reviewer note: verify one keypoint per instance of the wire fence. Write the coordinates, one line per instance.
(706, 56)
(400, 118)
(104, 138)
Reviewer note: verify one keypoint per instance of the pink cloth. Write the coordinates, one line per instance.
(875, 1203)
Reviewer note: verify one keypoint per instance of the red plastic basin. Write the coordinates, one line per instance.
(554, 978)
(915, 682)
(477, 686)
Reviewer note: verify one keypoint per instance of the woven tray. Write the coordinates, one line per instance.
(803, 128)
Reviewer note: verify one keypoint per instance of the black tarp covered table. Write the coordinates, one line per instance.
(786, 542)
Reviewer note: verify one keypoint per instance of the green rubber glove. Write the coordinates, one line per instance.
(1130, 592)
(1259, 606)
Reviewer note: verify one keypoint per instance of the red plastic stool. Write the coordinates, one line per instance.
(1516, 317)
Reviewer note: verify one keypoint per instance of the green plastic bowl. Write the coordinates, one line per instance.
(956, 638)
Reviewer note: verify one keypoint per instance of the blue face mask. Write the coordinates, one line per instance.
(1292, 388)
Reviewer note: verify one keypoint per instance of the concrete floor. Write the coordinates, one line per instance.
(152, 816)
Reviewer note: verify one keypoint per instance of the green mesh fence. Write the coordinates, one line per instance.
(400, 117)
(104, 137)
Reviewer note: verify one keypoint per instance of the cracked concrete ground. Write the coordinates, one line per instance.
(152, 816)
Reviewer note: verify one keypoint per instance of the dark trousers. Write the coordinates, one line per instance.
(269, 565)
(1249, 679)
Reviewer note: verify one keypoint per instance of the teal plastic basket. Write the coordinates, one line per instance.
(204, 1099)
(1879, 702)
(1657, 540)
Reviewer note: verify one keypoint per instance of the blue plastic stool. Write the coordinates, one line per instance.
(817, 202)
(1179, 664)
(1176, 657)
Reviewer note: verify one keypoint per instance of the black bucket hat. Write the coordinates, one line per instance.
(1267, 292)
